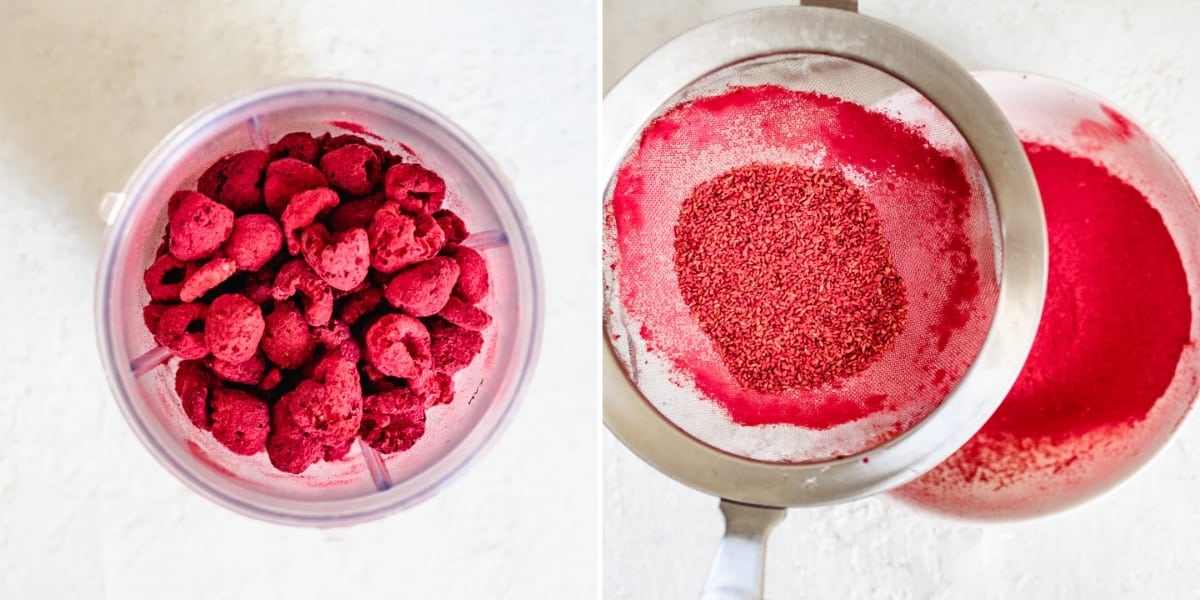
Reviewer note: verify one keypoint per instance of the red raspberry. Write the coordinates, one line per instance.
(353, 169)
(287, 341)
(303, 211)
(236, 181)
(392, 421)
(331, 143)
(235, 326)
(255, 240)
(354, 306)
(336, 453)
(335, 338)
(414, 188)
(452, 347)
(341, 259)
(421, 290)
(259, 285)
(329, 411)
(249, 371)
(433, 387)
(299, 145)
(465, 315)
(473, 277)
(151, 314)
(290, 450)
(398, 345)
(295, 275)
(452, 226)
(356, 214)
(272, 378)
(240, 421)
(193, 384)
(398, 240)
(287, 177)
(208, 276)
(197, 226)
(181, 330)
(165, 278)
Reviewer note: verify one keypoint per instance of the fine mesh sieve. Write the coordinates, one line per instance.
(773, 87)
(936, 215)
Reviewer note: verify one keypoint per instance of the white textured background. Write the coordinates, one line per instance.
(86, 89)
(1142, 540)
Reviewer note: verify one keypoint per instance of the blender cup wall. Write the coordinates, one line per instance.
(364, 485)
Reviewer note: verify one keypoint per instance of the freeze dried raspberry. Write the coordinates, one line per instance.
(398, 240)
(208, 276)
(196, 225)
(236, 181)
(165, 278)
(271, 379)
(356, 305)
(235, 326)
(452, 226)
(331, 143)
(452, 347)
(287, 177)
(295, 275)
(414, 188)
(336, 453)
(193, 384)
(377, 382)
(249, 371)
(398, 345)
(422, 289)
(287, 341)
(353, 169)
(259, 285)
(255, 240)
(473, 275)
(335, 338)
(240, 421)
(392, 421)
(151, 314)
(181, 330)
(303, 211)
(341, 259)
(329, 411)
(299, 145)
(433, 388)
(465, 315)
(356, 213)
(340, 377)
(290, 450)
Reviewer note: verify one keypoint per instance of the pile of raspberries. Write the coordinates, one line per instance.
(315, 294)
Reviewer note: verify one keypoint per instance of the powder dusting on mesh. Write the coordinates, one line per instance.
(932, 216)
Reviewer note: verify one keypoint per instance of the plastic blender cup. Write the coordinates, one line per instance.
(364, 485)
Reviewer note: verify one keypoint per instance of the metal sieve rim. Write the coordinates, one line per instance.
(758, 33)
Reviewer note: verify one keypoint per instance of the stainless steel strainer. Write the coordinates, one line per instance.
(759, 469)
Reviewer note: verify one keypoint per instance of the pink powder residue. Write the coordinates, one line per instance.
(357, 128)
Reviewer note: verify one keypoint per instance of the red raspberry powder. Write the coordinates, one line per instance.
(1116, 319)
(818, 263)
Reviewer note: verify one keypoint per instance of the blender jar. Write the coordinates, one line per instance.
(364, 485)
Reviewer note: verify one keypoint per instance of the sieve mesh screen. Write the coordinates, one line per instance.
(935, 212)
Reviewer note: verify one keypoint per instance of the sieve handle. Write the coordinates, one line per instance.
(737, 569)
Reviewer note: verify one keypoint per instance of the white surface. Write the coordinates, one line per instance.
(1138, 541)
(86, 88)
